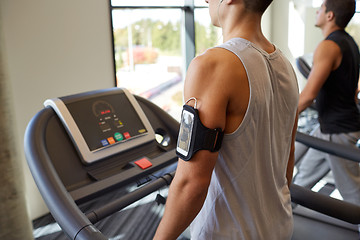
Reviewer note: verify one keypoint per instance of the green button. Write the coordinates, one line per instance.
(118, 136)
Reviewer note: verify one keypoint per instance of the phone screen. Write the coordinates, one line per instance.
(186, 127)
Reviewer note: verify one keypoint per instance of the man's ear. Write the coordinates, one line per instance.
(330, 16)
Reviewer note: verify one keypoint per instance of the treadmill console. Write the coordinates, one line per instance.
(103, 124)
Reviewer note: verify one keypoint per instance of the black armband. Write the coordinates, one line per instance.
(194, 136)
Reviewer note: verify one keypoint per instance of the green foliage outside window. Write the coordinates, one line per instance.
(205, 37)
(155, 38)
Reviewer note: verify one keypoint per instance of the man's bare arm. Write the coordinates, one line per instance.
(327, 58)
(188, 190)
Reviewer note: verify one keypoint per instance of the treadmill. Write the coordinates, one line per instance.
(87, 145)
(83, 146)
(319, 216)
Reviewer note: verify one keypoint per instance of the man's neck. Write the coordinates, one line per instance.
(246, 27)
(330, 29)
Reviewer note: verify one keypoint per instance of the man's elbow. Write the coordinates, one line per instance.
(195, 188)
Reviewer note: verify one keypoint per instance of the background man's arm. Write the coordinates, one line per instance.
(327, 57)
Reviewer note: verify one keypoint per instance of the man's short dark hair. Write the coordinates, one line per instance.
(343, 10)
(258, 6)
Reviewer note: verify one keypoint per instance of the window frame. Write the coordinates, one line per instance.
(187, 26)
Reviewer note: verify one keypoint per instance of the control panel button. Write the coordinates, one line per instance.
(143, 163)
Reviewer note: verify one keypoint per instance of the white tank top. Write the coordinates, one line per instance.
(248, 197)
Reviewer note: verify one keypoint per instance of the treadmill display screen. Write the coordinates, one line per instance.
(106, 120)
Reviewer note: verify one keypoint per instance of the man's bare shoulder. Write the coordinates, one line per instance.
(327, 48)
(328, 53)
(207, 57)
(214, 62)
(215, 55)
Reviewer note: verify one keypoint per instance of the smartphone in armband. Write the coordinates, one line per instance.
(194, 136)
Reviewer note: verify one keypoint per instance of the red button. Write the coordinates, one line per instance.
(143, 163)
(127, 135)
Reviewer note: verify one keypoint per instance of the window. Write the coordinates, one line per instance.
(147, 3)
(354, 26)
(154, 42)
(148, 55)
(206, 35)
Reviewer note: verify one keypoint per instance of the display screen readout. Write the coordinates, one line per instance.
(106, 120)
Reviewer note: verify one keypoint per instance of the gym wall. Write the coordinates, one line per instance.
(51, 49)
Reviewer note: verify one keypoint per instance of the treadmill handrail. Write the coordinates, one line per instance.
(342, 210)
(350, 153)
(303, 66)
(98, 214)
(325, 204)
(67, 213)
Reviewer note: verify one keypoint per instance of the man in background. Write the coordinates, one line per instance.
(333, 82)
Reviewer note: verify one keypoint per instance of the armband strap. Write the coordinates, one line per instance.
(210, 139)
(194, 136)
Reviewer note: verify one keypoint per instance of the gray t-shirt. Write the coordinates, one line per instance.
(248, 197)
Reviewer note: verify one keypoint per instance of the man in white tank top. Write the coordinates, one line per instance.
(247, 88)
